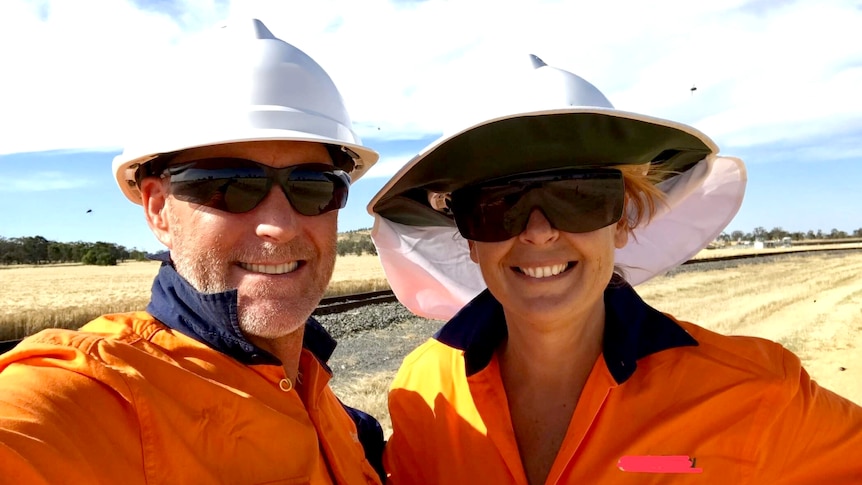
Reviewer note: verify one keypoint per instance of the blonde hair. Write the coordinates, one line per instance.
(641, 194)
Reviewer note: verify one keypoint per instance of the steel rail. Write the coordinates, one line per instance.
(338, 304)
(764, 255)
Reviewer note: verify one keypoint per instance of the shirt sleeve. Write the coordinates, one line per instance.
(61, 426)
(809, 434)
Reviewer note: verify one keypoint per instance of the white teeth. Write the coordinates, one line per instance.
(544, 271)
(270, 268)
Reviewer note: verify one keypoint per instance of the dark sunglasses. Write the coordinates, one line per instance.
(573, 200)
(237, 185)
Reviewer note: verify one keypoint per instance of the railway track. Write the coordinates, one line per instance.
(338, 304)
(765, 254)
(343, 303)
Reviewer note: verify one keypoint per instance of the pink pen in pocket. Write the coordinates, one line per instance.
(658, 464)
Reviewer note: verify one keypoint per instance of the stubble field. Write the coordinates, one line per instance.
(36, 297)
(810, 304)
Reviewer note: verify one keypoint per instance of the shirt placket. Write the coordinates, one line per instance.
(594, 397)
(492, 404)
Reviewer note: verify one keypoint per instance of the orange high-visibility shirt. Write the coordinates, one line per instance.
(667, 402)
(128, 400)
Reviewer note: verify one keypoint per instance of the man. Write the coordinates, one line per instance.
(223, 379)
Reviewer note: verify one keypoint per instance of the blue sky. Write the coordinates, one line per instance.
(777, 85)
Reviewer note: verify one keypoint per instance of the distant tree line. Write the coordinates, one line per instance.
(761, 234)
(356, 242)
(38, 250)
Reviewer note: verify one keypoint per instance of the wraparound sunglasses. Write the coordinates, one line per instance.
(237, 185)
(573, 200)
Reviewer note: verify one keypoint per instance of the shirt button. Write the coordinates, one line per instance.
(285, 385)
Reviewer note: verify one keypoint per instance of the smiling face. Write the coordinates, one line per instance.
(544, 274)
(278, 260)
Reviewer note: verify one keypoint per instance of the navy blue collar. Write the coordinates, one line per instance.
(211, 318)
(633, 330)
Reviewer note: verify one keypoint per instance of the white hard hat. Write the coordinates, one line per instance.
(245, 84)
(571, 124)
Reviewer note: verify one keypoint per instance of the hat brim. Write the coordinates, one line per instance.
(428, 263)
(126, 163)
(589, 137)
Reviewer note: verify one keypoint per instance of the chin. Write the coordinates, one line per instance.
(267, 322)
(274, 310)
(268, 330)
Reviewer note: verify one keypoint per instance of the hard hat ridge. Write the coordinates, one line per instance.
(575, 90)
(260, 30)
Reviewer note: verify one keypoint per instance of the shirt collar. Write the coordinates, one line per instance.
(211, 318)
(633, 330)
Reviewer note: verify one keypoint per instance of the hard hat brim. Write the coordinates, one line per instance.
(127, 163)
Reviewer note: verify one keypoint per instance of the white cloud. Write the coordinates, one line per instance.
(74, 80)
(764, 70)
(43, 181)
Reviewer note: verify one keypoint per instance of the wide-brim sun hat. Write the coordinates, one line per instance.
(427, 262)
(240, 83)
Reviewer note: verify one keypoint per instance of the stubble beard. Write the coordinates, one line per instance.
(268, 310)
(204, 269)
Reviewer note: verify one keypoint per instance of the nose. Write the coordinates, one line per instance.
(277, 220)
(539, 229)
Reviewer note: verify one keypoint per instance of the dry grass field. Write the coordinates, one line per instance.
(363, 272)
(37, 297)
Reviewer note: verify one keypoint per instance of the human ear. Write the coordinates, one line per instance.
(621, 234)
(154, 195)
(473, 255)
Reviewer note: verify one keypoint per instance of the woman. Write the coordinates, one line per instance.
(558, 372)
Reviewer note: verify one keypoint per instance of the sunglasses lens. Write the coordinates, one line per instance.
(315, 189)
(486, 215)
(586, 206)
(574, 201)
(229, 185)
(244, 194)
(236, 185)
